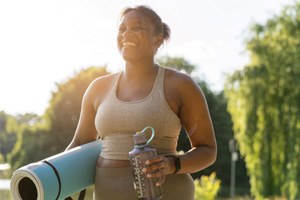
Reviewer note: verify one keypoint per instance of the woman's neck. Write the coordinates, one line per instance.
(138, 71)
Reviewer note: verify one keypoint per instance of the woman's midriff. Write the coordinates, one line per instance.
(108, 163)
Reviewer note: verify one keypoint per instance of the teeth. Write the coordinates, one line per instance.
(131, 44)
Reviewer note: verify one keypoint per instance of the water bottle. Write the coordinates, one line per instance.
(145, 187)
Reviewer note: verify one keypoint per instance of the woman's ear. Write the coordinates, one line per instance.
(158, 40)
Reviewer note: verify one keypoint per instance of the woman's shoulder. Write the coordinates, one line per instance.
(178, 78)
(100, 86)
(102, 83)
(104, 80)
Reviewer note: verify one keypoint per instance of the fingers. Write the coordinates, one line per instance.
(155, 160)
(159, 175)
(155, 168)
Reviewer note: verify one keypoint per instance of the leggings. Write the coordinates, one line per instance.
(117, 184)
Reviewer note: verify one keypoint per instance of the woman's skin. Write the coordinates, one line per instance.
(138, 43)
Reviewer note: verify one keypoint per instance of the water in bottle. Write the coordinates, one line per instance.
(145, 187)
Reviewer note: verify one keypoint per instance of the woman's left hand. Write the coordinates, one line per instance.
(159, 167)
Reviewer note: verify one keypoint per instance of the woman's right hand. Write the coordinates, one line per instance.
(159, 167)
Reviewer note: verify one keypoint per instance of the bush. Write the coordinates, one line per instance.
(207, 187)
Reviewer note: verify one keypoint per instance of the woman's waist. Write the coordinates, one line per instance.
(112, 163)
(117, 146)
(122, 160)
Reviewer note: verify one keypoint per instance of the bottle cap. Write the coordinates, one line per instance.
(140, 138)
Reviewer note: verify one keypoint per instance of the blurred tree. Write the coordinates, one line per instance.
(178, 63)
(30, 142)
(31, 146)
(65, 104)
(7, 134)
(28, 119)
(207, 187)
(264, 101)
(39, 137)
(222, 123)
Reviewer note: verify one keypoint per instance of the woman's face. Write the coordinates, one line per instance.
(136, 37)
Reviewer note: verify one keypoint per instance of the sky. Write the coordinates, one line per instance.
(44, 42)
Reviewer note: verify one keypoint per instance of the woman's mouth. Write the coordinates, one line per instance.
(129, 44)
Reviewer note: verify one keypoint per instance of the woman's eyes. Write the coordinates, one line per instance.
(137, 28)
(134, 29)
(122, 30)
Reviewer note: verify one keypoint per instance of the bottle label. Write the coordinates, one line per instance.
(139, 178)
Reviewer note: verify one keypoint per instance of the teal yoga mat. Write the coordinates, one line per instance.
(58, 176)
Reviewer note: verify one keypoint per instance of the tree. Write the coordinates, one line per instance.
(264, 101)
(41, 137)
(31, 146)
(30, 142)
(7, 134)
(178, 63)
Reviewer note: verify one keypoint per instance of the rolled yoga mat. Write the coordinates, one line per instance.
(58, 176)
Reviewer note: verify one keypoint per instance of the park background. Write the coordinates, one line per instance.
(244, 55)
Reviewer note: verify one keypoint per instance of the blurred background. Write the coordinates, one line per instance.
(243, 54)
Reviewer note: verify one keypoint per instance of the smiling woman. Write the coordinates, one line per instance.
(145, 94)
(134, 32)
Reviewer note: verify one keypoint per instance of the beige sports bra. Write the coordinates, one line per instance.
(116, 121)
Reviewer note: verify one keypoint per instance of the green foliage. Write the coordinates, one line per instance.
(31, 146)
(8, 129)
(264, 101)
(5, 194)
(31, 140)
(178, 63)
(207, 187)
(41, 137)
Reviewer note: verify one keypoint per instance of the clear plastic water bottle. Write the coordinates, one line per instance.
(145, 187)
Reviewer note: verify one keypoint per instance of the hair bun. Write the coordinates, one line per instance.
(166, 31)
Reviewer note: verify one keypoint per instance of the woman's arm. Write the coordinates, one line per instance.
(188, 101)
(86, 130)
(195, 118)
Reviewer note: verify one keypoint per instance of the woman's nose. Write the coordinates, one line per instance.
(126, 32)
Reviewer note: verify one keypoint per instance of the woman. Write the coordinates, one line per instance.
(116, 106)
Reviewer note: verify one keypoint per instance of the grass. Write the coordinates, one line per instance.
(5, 195)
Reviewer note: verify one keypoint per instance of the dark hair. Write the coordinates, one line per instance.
(159, 26)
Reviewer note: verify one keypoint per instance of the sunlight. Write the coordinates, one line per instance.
(4, 167)
(44, 42)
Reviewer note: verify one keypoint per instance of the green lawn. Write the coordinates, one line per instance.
(5, 195)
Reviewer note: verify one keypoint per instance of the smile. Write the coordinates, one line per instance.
(129, 44)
